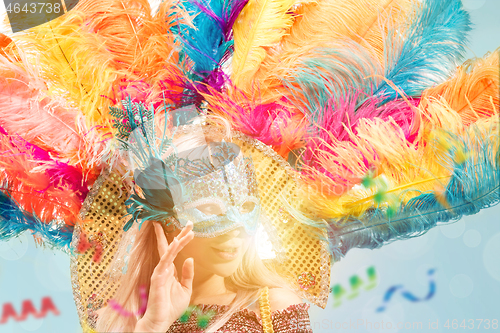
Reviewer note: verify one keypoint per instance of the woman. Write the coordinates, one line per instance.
(219, 270)
(354, 99)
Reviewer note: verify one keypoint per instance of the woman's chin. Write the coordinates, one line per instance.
(226, 269)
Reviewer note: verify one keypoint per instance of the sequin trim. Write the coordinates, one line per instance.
(265, 311)
(75, 284)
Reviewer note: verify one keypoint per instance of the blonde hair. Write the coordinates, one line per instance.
(251, 275)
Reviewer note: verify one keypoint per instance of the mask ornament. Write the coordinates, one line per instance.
(212, 186)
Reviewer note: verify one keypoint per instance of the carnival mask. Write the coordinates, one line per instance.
(212, 186)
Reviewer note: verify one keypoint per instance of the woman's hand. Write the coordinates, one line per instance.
(169, 295)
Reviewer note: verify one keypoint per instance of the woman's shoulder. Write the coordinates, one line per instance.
(282, 298)
(279, 299)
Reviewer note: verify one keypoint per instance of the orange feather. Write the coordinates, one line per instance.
(118, 24)
(7, 47)
(473, 90)
(141, 44)
(330, 23)
(30, 186)
(363, 21)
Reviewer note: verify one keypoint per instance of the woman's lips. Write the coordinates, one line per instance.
(227, 253)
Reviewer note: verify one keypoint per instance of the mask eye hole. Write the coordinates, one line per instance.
(247, 207)
(210, 209)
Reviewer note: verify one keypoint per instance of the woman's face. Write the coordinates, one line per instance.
(221, 255)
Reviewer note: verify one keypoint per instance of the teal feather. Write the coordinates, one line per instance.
(151, 172)
(428, 51)
(418, 57)
(209, 40)
(14, 221)
(474, 185)
(332, 74)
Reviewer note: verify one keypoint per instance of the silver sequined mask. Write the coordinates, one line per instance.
(217, 193)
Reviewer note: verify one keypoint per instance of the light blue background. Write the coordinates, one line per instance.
(467, 278)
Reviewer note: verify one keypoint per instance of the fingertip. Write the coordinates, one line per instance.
(188, 270)
(189, 264)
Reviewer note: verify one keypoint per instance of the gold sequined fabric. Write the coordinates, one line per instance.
(304, 254)
(102, 215)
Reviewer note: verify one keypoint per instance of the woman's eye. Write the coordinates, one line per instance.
(210, 209)
(247, 207)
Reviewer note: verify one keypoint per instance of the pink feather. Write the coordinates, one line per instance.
(27, 110)
(333, 130)
(276, 124)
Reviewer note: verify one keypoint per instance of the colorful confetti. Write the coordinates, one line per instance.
(355, 281)
(144, 301)
(406, 294)
(202, 318)
(28, 309)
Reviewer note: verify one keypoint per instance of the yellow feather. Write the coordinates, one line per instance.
(411, 169)
(363, 21)
(261, 24)
(74, 64)
(330, 23)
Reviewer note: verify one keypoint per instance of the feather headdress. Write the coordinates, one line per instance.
(363, 125)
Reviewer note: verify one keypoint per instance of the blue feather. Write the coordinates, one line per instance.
(425, 54)
(14, 221)
(209, 42)
(417, 57)
(331, 73)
